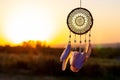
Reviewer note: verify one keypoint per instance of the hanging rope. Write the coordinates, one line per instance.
(80, 3)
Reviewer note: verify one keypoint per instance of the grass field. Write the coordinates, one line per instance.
(46, 66)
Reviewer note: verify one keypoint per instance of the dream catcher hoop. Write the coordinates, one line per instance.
(79, 22)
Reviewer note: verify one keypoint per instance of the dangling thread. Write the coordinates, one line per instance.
(75, 48)
(80, 44)
(85, 38)
(90, 37)
(69, 38)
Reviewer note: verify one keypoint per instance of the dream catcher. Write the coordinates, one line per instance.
(79, 22)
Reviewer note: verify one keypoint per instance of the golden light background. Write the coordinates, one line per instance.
(22, 20)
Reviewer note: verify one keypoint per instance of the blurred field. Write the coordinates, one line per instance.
(44, 64)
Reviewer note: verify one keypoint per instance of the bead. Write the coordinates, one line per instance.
(89, 35)
(80, 41)
(89, 40)
(69, 36)
(69, 41)
(75, 41)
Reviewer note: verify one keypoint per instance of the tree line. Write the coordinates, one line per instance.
(26, 47)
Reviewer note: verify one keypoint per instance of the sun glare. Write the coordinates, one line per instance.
(29, 23)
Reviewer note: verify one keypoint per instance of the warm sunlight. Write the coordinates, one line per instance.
(29, 23)
(23, 20)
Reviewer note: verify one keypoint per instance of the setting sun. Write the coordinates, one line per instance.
(45, 20)
(29, 23)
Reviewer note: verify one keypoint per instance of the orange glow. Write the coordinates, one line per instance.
(23, 20)
(29, 23)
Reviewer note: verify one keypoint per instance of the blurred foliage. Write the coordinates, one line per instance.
(44, 60)
(106, 53)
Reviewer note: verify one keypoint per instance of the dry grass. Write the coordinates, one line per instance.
(48, 64)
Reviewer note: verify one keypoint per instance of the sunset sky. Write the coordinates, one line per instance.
(22, 20)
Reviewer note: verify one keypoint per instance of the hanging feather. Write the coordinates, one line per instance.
(65, 56)
(65, 52)
(88, 51)
(77, 61)
(65, 61)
